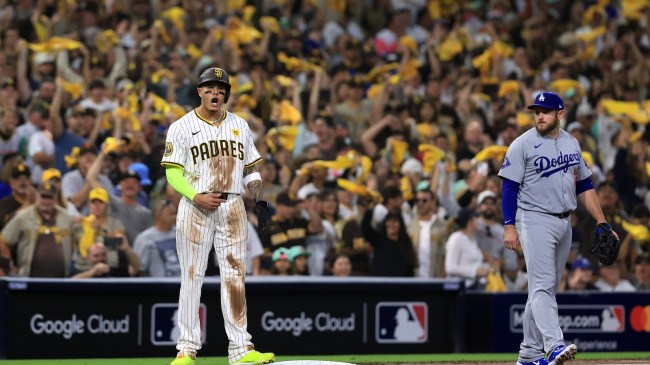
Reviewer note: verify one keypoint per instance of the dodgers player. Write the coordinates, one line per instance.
(210, 151)
(543, 173)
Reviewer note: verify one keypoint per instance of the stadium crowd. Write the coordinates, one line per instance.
(382, 124)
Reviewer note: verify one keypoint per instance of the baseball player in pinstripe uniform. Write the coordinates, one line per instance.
(209, 157)
(543, 173)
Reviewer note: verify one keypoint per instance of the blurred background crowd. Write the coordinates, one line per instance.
(382, 124)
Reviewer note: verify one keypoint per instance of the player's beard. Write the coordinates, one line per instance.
(550, 126)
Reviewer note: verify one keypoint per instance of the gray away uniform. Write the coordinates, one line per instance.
(547, 170)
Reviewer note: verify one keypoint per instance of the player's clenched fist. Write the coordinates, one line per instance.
(209, 201)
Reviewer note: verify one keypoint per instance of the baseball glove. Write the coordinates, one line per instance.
(605, 245)
(263, 216)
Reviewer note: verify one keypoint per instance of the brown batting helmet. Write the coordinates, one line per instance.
(215, 74)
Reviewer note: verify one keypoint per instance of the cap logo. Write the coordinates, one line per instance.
(218, 72)
(541, 97)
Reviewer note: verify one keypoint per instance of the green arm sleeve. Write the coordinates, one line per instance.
(178, 182)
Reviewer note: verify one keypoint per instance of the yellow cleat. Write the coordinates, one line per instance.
(183, 359)
(255, 358)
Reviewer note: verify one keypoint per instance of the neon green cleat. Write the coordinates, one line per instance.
(183, 359)
(255, 358)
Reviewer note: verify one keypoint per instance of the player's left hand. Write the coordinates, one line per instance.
(263, 216)
(510, 237)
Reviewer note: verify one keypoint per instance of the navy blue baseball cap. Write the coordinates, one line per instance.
(548, 100)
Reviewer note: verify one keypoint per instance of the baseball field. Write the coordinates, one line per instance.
(593, 358)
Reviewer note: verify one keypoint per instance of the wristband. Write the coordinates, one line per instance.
(250, 177)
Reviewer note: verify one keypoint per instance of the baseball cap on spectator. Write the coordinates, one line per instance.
(87, 148)
(47, 189)
(297, 251)
(585, 110)
(581, 263)
(143, 171)
(39, 105)
(412, 166)
(42, 58)
(128, 174)
(20, 170)
(548, 100)
(281, 254)
(124, 84)
(50, 174)
(7, 82)
(285, 199)
(96, 84)
(422, 186)
(98, 194)
(574, 126)
(464, 216)
(486, 194)
(293, 34)
(306, 191)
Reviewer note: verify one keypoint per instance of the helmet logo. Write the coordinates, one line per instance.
(541, 97)
(218, 72)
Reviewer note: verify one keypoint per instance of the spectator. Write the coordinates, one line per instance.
(9, 139)
(64, 139)
(642, 272)
(429, 234)
(41, 148)
(156, 246)
(320, 245)
(53, 176)
(76, 184)
(97, 227)
(281, 262)
(610, 280)
(464, 258)
(41, 237)
(514, 276)
(489, 232)
(393, 253)
(299, 257)
(353, 244)
(99, 266)
(38, 114)
(580, 276)
(341, 266)
(289, 228)
(22, 193)
(145, 183)
(133, 216)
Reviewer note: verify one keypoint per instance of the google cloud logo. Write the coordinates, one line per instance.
(640, 318)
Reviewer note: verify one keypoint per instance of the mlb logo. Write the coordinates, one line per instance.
(401, 322)
(164, 323)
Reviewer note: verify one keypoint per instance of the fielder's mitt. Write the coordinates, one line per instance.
(605, 245)
(263, 216)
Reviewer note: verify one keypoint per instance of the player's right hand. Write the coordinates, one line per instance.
(208, 201)
(510, 237)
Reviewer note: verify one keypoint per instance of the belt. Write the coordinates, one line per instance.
(560, 215)
(224, 196)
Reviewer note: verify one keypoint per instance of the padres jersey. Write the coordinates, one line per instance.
(213, 156)
(547, 170)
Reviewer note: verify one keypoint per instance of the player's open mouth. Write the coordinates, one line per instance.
(214, 101)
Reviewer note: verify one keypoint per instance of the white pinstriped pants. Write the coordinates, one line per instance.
(196, 232)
